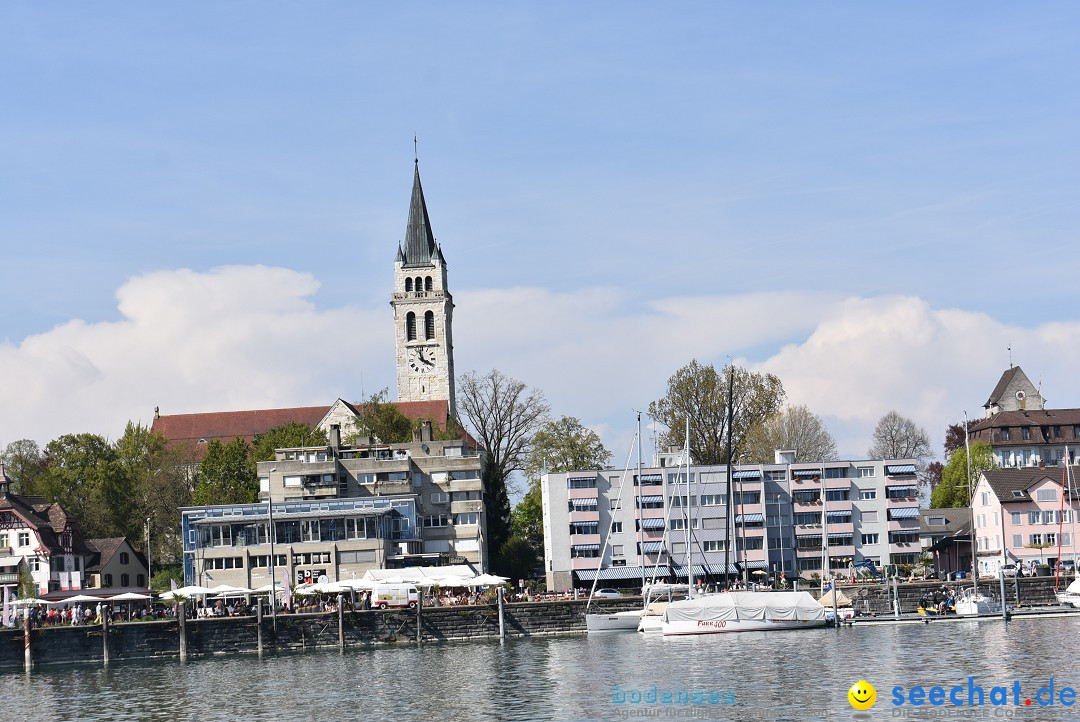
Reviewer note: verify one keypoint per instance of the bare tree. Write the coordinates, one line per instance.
(504, 415)
(797, 429)
(898, 437)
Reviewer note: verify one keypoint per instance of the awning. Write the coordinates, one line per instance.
(840, 540)
(808, 532)
(898, 469)
(652, 500)
(586, 547)
(806, 473)
(909, 512)
(652, 547)
(291, 516)
(755, 565)
(10, 561)
(749, 518)
(701, 570)
(584, 503)
(581, 478)
(837, 515)
(747, 474)
(652, 523)
(651, 477)
(587, 575)
(903, 487)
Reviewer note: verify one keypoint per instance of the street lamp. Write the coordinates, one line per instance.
(273, 559)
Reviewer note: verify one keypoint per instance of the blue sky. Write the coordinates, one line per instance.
(871, 201)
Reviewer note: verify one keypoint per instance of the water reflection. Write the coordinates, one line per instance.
(781, 675)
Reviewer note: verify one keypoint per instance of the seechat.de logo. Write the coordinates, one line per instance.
(862, 695)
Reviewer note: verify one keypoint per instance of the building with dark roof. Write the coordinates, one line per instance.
(1020, 429)
(946, 536)
(114, 562)
(1024, 516)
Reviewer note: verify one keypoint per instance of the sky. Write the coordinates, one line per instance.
(200, 203)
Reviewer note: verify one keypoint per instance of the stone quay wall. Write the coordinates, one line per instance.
(225, 635)
(874, 599)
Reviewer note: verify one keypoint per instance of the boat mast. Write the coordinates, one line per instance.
(826, 558)
(730, 495)
(640, 493)
(1061, 520)
(971, 505)
(1072, 512)
(689, 516)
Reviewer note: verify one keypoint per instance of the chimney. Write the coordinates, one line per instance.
(5, 482)
(426, 433)
(157, 413)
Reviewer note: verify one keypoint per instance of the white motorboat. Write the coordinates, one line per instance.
(972, 601)
(743, 612)
(613, 622)
(1071, 595)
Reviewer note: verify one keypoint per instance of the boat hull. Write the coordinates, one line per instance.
(614, 622)
(651, 624)
(722, 626)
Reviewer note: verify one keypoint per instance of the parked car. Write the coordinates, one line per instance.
(607, 594)
(1009, 570)
(1067, 565)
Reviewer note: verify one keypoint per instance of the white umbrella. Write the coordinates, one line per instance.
(129, 597)
(358, 584)
(265, 589)
(30, 601)
(192, 591)
(321, 588)
(486, 580)
(79, 599)
(226, 589)
(453, 581)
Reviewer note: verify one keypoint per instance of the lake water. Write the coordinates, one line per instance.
(770, 676)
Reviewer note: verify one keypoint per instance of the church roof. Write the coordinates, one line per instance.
(419, 240)
(1002, 385)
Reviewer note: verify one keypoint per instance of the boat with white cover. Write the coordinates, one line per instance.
(972, 601)
(743, 612)
(1071, 595)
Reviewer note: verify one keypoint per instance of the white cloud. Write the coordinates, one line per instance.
(244, 337)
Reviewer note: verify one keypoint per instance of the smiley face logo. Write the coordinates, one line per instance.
(862, 695)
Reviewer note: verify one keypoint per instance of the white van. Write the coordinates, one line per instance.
(384, 596)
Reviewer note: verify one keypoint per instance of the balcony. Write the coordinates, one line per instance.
(585, 563)
(845, 550)
(904, 525)
(592, 493)
(580, 539)
(468, 506)
(807, 505)
(584, 516)
(847, 528)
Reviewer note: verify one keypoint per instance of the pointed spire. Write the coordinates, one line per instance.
(419, 240)
(400, 253)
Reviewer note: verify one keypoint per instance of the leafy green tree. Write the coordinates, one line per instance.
(701, 393)
(289, 436)
(504, 415)
(527, 519)
(24, 464)
(380, 418)
(85, 475)
(898, 437)
(564, 445)
(517, 558)
(954, 491)
(797, 429)
(28, 588)
(225, 475)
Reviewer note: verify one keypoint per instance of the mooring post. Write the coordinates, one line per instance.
(1004, 607)
(105, 635)
(258, 625)
(896, 598)
(182, 611)
(341, 621)
(419, 618)
(26, 638)
(502, 619)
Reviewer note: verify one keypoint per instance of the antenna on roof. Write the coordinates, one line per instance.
(1010, 355)
(416, 153)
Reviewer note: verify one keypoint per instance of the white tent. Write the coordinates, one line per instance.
(80, 599)
(357, 584)
(29, 602)
(412, 575)
(486, 580)
(129, 597)
(321, 588)
(231, 591)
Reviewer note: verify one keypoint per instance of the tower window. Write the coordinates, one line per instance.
(429, 325)
(410, 326)
(408, 285)
(419, 283)
(427, 283)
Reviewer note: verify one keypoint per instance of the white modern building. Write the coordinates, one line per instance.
(786, 518)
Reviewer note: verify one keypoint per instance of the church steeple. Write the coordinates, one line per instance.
(419, 240)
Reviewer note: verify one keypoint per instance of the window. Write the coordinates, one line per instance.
(1049, 517)
(427, 283)
(4, 541)
(866, 471)
(779, 543)
(613, 504)
(24, 538)
(1034, 539)
(583, 553)
(807, 497)
(140, 580)
(1051, 539)
(106, 579)
(748, 497)
(437, 520)
(439, 497)
(806, 518)
(713, 545)
(581, 482)
(125, 580)
(867, 494)
(869, 516)
(679, 478)
(712, 523)
(651, 502)
(753, 542)
(1005, 434)
(410, 326)
(1017, 518)
(712, 499)
(836, 495)
(1025, 432)
(1066, 539)
(868, 538)
(835, 473)
(616, 550)
(935, 521)
(578, 527)
(680, 501)
(429, 325)
(807, 542)
(473, 518)
(1057, 431)
(1046, 495)
(985, 498)
(616, 527)
(408, 285)
(1018, 540)
(680, 524)
(1034, 517)
(903, 537)
(124, 559)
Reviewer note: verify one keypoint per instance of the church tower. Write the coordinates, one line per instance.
(423, 311)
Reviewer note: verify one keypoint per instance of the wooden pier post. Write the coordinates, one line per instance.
(341, 622)
(258, 625)
(105, 636)
(1004, 607)
(419, 618)
(182, 611)
(502, 620)
(27, 659)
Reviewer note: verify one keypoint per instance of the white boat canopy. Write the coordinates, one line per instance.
(759, 606)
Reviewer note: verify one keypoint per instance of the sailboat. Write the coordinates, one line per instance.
(1070, 596)
(617, 621)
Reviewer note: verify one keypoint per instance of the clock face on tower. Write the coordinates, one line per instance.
(422, 360)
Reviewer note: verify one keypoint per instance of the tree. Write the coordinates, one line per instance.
(85, 476)
(27, 588)
(564, 445)
(24, 464)
(383, 420)
(898, 437)
(289, 436)
(527, 519)
(955, 437)
(931, 475)
(518, 558)
(225, 475)
(796, 429)
(954, 491)
(701, 393)
(504, 415)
